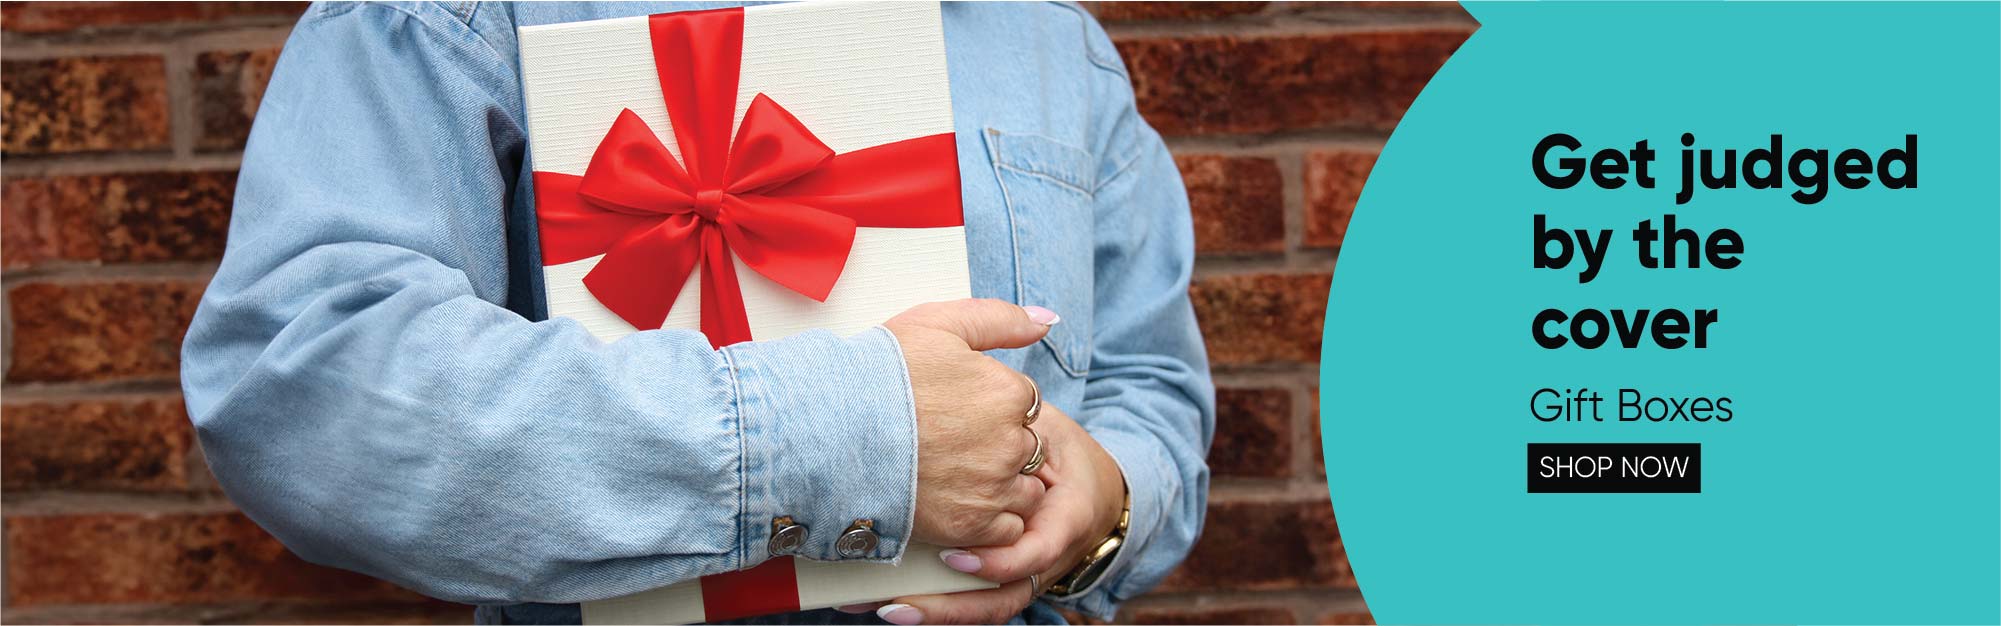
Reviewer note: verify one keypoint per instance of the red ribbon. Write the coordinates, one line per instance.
(775, 197)
(768, 589)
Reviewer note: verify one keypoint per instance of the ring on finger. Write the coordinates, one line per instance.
(1034, 460)
(1035, 403)
(1034, 585)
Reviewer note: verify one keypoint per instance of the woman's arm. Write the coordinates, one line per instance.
(1149, 400)
(1149, 408)
(360, 393)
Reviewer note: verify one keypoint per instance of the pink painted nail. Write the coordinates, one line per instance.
(961, 560)
(1041, 315)
(900, 614)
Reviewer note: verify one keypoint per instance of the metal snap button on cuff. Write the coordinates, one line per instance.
(786, 536)
(858, 540)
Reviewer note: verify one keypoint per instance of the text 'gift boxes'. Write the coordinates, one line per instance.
(750, 173)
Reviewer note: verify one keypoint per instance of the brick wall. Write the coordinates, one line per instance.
(122, 133)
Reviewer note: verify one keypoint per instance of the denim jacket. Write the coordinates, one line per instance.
(374, 382)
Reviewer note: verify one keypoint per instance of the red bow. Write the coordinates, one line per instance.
(776, 197)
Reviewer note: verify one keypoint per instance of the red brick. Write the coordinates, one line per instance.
(1261, 546)
(229, 85)
(29, 232)
(423, 612)
(1240, 615)
(54, 17)
(86, 104)
(1260, 84)
(120, 444)
(1172, 11)
(180, 558)
(1253, 433)
(1376, 11)
(1261, 318)
(1333, 183)
(1362, 618)
(110, 330)
(1238, 203)
(117, 218)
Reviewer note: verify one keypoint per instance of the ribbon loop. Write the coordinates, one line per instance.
(772, 148)
(632, 172)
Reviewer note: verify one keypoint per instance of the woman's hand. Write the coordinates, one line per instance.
(971, 445)
(1085, 498)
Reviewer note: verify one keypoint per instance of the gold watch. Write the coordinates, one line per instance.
(1097, 560)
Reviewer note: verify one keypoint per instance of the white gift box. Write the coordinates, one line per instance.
(820, 584)
(857, 76)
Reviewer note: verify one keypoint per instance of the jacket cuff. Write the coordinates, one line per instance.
(1151, 486)
(828, 429)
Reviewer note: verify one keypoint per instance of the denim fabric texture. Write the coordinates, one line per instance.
(373, 380)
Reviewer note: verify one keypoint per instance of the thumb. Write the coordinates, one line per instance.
(985, 323)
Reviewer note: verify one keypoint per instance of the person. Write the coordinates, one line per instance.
(373, 383)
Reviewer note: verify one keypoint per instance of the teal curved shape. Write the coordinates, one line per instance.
(1859, 480)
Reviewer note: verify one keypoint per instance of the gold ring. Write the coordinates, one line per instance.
(1035, 405)
(1034, 461)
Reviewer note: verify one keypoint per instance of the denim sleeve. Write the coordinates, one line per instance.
(1148, 399)
(360, 393)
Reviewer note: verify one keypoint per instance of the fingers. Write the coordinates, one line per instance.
(986, 324)
(986, 606)
(1036, 552)
(998, 530)
(1024, 495)
(1032, 443)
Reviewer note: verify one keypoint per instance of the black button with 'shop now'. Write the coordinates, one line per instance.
(1615, 468)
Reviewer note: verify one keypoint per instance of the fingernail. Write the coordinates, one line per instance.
(900, 614)
(961, 560)
(857, 609)
(1041, 315)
